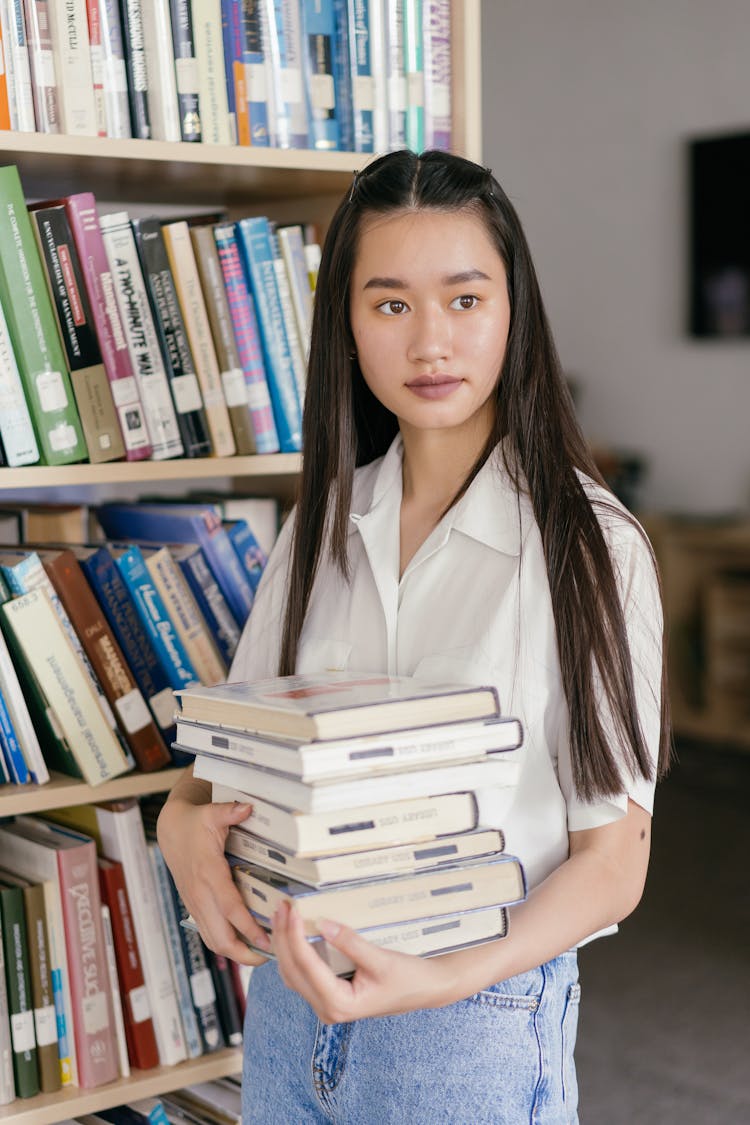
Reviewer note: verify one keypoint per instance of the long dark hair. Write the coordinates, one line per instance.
(344, 426)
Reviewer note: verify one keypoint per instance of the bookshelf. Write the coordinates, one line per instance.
(286, 185)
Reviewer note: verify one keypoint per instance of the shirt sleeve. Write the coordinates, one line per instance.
(638, 583)
(259, 649)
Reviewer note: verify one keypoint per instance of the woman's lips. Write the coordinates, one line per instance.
(435, 386)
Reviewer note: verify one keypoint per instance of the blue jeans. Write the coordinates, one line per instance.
(502, 1057)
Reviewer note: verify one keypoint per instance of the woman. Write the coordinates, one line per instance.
(451, 524)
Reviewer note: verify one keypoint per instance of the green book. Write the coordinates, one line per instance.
(31, 322)
(18, 978)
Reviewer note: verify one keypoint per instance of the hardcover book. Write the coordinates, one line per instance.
(163, 107)
(319, 31)
(208, 597)
(17, 65)
(18, 710)
(186, 66)
(44, 81)
(70, 38)
(134, 47)
(18, 980)
(114, 73)
(7, 1081)
(212, 86)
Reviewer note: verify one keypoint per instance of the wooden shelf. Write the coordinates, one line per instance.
(60, 790)
(142, 472)
(46, 1109)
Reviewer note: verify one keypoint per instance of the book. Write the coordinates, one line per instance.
(261, 513)
(14, 763)
(54, 523)
(7, 1081)
(114, 72)
(84, 222)
(123, 1062)
(405, 821)
(437, 74)
(18, 980)
(226, 1000)
(338, 704)
(107, 659)
(285, 88)
(297, 351)
(208, 597)
(31, 858)
(134, 49)
(360, 68)
(319, 31)
(44, 81)
(190, 295)
(5, 124)
(234, 74)
(18, 67)
(292, 248)
(247, 337)
(342, 76)
(498, 881)
(212, 88)
(31, 323)
(139, 1026)
(375, 863)
(414, 71)
(322, 759)
(20, 717)
(91, 387)
(93, 1017)
(290, 792)
(69, 32)
(254, 72)
(170, 327)
(143, 341)
(93, 8)
(186, 67)
(257, 256)
(248, 550)
(163, 109)
(397, 97)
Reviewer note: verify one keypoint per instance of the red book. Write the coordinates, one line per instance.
(139, 1027)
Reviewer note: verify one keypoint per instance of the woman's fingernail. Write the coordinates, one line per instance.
(263, 941)
(328, 929)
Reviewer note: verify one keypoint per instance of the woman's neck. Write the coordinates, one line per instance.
(436, 464)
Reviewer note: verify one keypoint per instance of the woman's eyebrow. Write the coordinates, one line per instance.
(450, 279)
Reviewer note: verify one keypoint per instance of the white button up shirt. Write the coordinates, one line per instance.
(472, 606)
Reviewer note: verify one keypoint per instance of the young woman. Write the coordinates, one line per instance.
(451, 524)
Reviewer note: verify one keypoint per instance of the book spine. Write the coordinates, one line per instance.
(162, 83)
(84, 222)
(183, 381)
(16, 429)
(256, 251)
(143, 341)
(123, 1063)
(230, 34)
(226, 1000)
(70, 38)
(91, 386)
(254, 72)
(114, 69)
(186, 68)
(93, 8)
(120, 611)
(134, 47)
(248, 550)
(42, 65)
(293, 89)
(378, 61)
(437, 69)
(11, 750)
(190, 296)
(7, 1082)
(5, 124)
(360, 66)
(319, 31)
(217, 308)
(45, 1023)
(211, 602)
(395, 73)
(20, 1005)
(139, 1026)
(414, 70)
(31, 322)
(293, 253)
(209, 52)
(189, 625)
(247, 337)
(170, 929)
(342, 76)
(93, 1015)
(19, 68)
(296, 351)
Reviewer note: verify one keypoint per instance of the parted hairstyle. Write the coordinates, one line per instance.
(345, 426)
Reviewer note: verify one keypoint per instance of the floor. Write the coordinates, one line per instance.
(664, 1034)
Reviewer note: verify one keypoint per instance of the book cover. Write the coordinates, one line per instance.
(123, 1062)
(107, 659)
(498, 881)
(4, 124)
(234, 73)
(139, 1026)
(114, 71)
(254, 72)
(186, 67)
(247, 336)
(395, 73)
(291, 244)
(256, 253)
(297, 352)
(342, 76)
(31, 322)
(97, 65)
(288, 92)
(143, 341)
(7, 1081)
(228, 1009)
(405, 821)
(84, 222)
(163, 106)
(212, 87)
(14, 763)
(319, 31)
(231, 374)
(44, 79)
(134, 48)
(55, 523)
(248, 550)
(261, 512)
(190, 296)
(436, 18)
(360, 67)
(170, 327)
(270, 785)
(69, 32)
(18, 67)
(338, 704)
(91, 387)
(379, 64)
(210, 601)
(414, 71)
(18, 980)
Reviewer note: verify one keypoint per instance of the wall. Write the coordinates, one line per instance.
(586, 106)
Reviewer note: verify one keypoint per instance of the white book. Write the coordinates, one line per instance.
(209, 53)
(7, 1084)
(20, 717)
(15, 44)
(379, 67)
(72, 50)
(114, 986)
(292, 247)
(297, 350)
(294, 794)
(93, 12)
(123, 839)
(140, 332)
(42, 63)
(17, 432)
(114, 71)
(162, 82)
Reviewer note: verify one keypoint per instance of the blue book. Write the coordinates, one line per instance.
(292, 111)
(209, 598)
(257, 254)
(254, 58)
(319, 46)
(360, 69)
(230, 33)
(154, 616)
(342, 77)
(118, 607)
(184, 523)
(248, 549)
(10, 748)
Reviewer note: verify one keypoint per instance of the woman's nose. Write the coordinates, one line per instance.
(430, 339)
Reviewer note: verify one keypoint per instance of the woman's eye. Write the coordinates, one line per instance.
(465, 301)
(392, 308)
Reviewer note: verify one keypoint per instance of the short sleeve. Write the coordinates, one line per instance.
(259, 649)
(638, 583)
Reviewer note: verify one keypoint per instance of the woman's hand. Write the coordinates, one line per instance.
(385, 983)
(191, 837)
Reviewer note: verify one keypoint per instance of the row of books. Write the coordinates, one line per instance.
(204, 1103)
(147, 339)
(363, 804)
(95, 639)
(99, 976)
(352, 75)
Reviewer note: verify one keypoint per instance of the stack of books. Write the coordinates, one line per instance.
(363, 792)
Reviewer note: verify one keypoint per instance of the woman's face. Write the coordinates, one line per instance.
(430, 315)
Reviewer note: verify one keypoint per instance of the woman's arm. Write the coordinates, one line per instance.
(599, 884)
(191, 833)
